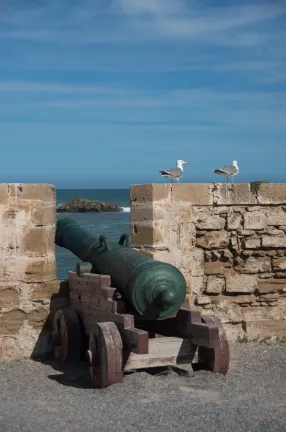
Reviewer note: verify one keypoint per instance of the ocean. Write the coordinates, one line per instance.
(109, 224)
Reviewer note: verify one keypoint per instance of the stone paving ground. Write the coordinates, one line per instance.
(252, 397)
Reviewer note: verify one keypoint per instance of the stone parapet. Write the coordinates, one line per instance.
(27, 267)
(229, 241)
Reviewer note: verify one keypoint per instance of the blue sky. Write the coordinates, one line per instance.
(104, 93)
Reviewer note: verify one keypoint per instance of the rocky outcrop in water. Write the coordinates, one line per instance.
(84, 205)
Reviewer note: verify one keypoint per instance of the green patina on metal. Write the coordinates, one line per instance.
(154, 289)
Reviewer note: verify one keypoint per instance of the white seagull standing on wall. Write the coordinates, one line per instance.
(174, 173)
(228, 171)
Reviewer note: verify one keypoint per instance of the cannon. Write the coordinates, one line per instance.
(126, 312)
(152, 288)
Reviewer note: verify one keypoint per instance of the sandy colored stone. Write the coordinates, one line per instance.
(241, 283)
(203, 300)
(209, 222)
(43, 215)
(255, 220)
(266, 328)
(279, 263)
(243, 299)
(215, 267)
(271, 286)
(272, 193)
(143, 213)
(276, 216)
(228, 312)
(38, 241)
(9, 297)
(197, 285)
(146, 234)
(237, 194)
(39, 270)
(254, 265)
(269, 297)
(37, 191)
(43, 291)
(233, 221)
(252, 243)
(11, 321)
(38, 317)
(196, 262)
(213, 240)
(8, 240)
(148, 193)
(196, 194)
(4, 194)
(274, 241)
(215, 285)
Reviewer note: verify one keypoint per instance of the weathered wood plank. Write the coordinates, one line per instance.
(162, 352)
(136, 340)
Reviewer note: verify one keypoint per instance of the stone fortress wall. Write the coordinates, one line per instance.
(27, 267)
(230, 244)
(228, 241)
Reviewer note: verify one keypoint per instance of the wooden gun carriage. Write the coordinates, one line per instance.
(102, 322)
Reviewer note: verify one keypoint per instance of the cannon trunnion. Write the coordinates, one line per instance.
(113, 323)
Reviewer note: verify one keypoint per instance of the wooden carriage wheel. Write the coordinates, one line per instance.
(66, 337)
(215, 359)
(105, 355)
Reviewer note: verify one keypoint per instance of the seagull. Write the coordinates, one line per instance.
(174, 173)
(228, 171)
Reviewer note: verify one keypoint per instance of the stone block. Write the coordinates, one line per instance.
(196, 262)
(9, 298)
(39, 270)
(196, 194)
(215, 267)
(241, 283)
(237, 194)
(196, 285)
(43, 215)
(11, 321)
(37, 191)
(274, 241)
(276, 216)
(233, 221)
(4, 194)
(271, 286)
(255, 220)
(209, 222)
(244, 299)
(272, 193)
(266, 328)
(254, 265)
(38, 317)
(228, 312)
(8, 240)
(143, 213)
(145, 234)
(215, 285)
(252, 243)
(148, 193)
(279, 263)
(213, 240)
(38, 241)
(203, 300)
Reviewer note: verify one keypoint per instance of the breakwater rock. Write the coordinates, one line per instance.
(81, 205)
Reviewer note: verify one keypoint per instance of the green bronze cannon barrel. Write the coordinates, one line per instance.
(155, 289)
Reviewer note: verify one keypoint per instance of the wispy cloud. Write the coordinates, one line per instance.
(91, 22)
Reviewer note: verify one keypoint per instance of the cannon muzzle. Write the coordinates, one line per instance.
(156, 290)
